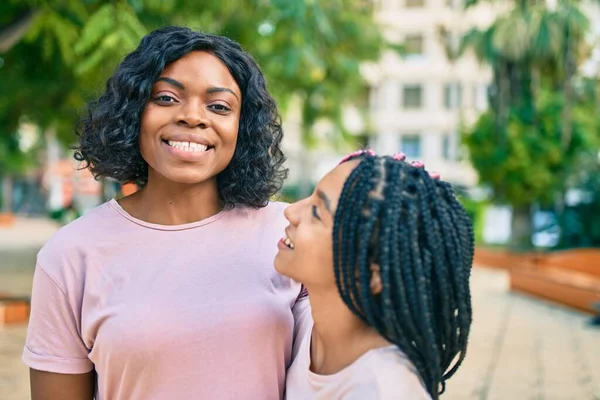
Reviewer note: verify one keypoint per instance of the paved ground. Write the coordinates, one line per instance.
(520, 348)
(18, 247)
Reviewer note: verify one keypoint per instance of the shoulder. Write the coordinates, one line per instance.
(272, 211)
(397, 377)
(391, 375)
(270, 215)
(81, 231)
(64, 253)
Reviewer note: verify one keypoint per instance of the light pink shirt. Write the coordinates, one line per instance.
(193, 311)
(380, 374)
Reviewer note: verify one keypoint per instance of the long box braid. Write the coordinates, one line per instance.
(394, 215)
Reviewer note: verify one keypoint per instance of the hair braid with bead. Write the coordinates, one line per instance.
(395, 216)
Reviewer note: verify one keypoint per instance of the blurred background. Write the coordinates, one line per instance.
(500, 97)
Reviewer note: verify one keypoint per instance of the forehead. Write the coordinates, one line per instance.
(201, 67)
(333, 183)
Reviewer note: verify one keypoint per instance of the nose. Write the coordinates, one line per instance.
(193, 115)
(291, 213)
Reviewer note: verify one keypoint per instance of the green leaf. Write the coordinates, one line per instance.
(100, 24)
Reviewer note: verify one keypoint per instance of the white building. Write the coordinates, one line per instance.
(419, 101)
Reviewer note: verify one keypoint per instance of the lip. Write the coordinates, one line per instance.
(188, 137)
(187, 155)
(281, 245)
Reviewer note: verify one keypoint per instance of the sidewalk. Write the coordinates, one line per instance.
(19, 245)
(523, 348)
(520, 348)
(27, 233)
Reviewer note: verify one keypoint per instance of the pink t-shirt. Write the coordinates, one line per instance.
(379, 374)
(193, 311)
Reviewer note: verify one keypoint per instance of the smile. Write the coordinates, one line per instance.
(187, 146)
(288, 242)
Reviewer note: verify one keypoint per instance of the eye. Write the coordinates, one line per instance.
(315, 212)
(220, 108)
(164, 98)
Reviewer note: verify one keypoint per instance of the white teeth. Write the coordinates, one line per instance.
(187, 146)
(288, 243)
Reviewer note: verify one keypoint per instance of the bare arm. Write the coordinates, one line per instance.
(52, 386)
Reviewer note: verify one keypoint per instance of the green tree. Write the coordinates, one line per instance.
(539, 123)
(579, 222)
(308, 50)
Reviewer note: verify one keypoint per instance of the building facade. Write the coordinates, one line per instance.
(419, 100)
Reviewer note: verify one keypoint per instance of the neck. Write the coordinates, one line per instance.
(339, 337)
(170, 203)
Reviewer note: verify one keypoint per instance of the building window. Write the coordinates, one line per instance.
(452, 96)
(412, 97)
(447, 146)
(480, 96)
(410, 145)
(415, 3)
(413, 45)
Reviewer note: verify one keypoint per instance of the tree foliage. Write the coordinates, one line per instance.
(524, 161)
(308, 49)
(579, 222)
(541, 118)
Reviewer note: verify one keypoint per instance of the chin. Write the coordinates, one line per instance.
(289, 269)
(281, 266)
(190, 177)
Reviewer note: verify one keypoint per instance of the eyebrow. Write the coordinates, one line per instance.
(210, 90)
(214, 89)
(325, 200)
(171, 82)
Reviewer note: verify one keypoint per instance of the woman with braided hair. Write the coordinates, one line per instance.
(385, 251)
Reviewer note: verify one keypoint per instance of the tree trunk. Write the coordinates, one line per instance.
(570, 70)
(521, 228)
(7, 193)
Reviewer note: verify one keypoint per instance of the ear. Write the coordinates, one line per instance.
(375, 284)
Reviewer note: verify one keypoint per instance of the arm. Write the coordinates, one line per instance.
(53, 386)
(54, 350)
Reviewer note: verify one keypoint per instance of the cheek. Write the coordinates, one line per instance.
(317, 258)
(148, 123)
(231, 133)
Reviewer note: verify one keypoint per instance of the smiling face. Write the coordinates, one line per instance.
(305, 253)
(189, 127)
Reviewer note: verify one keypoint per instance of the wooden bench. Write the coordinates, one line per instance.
(570, 277)
(13, 310)
(572, 288)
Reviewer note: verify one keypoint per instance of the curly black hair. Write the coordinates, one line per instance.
(394, 218)
(108, 133)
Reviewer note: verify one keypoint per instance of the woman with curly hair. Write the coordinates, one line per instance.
(385, 251)
(170, 293)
